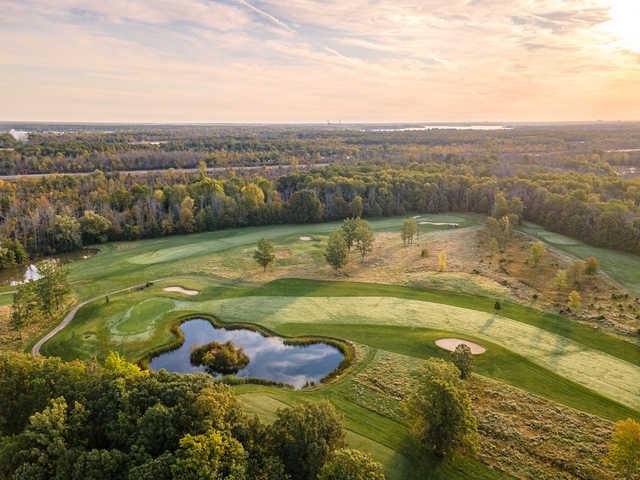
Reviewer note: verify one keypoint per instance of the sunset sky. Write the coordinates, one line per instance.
(317, 61)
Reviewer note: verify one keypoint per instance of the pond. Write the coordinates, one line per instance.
(269, 357)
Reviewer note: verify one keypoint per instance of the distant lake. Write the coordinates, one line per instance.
(442, 127)
(270, 358)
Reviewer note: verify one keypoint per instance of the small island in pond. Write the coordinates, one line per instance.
(223, 358)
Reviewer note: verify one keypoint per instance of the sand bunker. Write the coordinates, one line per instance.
(440, 224)
(306, 239)
(184, 291)
(451, 344)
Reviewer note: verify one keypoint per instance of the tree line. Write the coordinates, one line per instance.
(58, 214)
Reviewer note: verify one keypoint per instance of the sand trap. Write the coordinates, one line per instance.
(440, 223)
(451, 344)
(306, 239)
(184, 291)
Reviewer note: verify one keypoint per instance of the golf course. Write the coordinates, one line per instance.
(567, 366)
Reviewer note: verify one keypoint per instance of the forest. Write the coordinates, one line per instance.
(63, 213)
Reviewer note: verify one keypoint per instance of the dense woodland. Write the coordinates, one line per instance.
(370, 173)
(63, 213)
(585, 148)
(80, 421)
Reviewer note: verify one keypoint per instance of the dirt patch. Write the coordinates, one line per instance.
(306, 238)
(184, 291)
(450, 344)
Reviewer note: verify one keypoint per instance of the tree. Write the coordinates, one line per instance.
(94, 227)
(348, 464)
(66, 233)
(304, 436)
(336, 252)
(425, 250)
(624, 449)
(442, 261)
(591, 266)
(264, 255)
(537, 253)
(223, 358)
(53, 285)
(363, 238)
(356, 207)
(349, 226)
(440, 412)
(575, 273)
(211, 455)
(560, 280)
(500, 206)
(305, 207)
(187, 220)
(463, 359)
(494, 248)
(409, 231)
(574, 301)
(27, 306)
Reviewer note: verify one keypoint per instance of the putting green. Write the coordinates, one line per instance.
(603, 373)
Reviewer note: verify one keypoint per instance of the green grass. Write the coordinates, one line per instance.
(545, 354)
(129, 263)
(520, 353)
(621, 266)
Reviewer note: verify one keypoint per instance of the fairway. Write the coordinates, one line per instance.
(615, 378)
(621, 266)
(395, 326)
(149, 314)
(129, 263)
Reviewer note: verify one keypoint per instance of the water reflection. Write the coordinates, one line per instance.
(270, 358)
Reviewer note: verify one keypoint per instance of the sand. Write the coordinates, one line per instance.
(306, 239)
(184, 291)
(451, 344)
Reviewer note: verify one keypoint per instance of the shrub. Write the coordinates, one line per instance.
(223, 358)
(462, 358)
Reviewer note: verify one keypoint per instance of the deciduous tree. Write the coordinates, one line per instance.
(440, 412)
(264, 255)
(348, 464)
(336, 252)
(624, 449)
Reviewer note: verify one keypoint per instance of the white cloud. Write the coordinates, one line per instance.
(308, 60)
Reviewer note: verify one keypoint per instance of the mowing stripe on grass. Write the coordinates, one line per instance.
(608, 375)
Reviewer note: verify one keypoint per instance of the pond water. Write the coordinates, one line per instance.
(270, 359)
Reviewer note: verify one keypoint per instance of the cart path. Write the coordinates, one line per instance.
(35, 351)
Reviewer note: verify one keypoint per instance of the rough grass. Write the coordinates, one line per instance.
(621, 266)
(129, 263)
(549, 442)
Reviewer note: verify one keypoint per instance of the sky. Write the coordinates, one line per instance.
(284, 61)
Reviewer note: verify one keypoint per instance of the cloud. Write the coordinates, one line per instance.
(268, 16)
(307, 60)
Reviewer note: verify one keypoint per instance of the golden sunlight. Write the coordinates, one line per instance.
(625, 23)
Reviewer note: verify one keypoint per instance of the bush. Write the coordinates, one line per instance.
(223, 358)
(497, 305)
